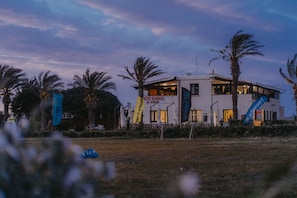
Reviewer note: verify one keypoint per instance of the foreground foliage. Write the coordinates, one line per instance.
(51, 168)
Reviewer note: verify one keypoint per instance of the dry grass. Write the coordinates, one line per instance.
(226, 167)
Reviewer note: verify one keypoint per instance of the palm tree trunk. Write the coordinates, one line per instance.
(295, 96)
(91, 118)
(6, 102)
(235, 75)
(42, 116)
(6, 106)
(141, 95)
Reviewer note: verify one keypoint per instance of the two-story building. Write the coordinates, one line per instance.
(211, 100)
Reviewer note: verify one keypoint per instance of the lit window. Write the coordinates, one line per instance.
(196, 115)
(163, 116)
(154, 116)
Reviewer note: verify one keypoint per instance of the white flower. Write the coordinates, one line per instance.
(72, 176)
(189, 184)
(24, 124)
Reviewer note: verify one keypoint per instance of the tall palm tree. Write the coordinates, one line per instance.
(46, 83)
(240, 45)
(91, 82)
(292, 79)
(143, 70)
(10, 79)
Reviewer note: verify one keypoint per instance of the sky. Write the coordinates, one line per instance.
(69, 36)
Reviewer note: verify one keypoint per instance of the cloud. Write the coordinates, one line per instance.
(69, 36)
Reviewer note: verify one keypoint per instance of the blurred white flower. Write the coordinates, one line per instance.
(3, 141)
(73, 175)
(189, 184)
(97, 167)
(31, 153)
(12, 152)
(24, 124)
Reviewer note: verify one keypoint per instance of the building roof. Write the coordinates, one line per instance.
(166, 79)
(211, 75)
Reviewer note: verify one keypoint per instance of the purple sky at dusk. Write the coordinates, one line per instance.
(69, 36)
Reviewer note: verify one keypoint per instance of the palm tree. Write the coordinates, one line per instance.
(91, 82)
(240, 45)
(26, 99)
(292, 79)
(143, 70)
(46, 83)
(10, 79)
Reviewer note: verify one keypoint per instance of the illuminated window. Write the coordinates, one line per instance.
(163, 116)
(228, 114)
(152, 92)
(196, 115)
(162, 89)
(154, 115)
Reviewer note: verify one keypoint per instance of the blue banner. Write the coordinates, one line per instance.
(185, 104)
(256, 105)
(57, 109)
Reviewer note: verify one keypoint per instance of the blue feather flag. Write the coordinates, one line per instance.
(57, 109)
(256, 105)
(186, 104)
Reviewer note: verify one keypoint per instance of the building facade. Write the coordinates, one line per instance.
(211, 100)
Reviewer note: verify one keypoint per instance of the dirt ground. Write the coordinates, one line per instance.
(248, 167)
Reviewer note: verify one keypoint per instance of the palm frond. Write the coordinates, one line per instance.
(285, 77)
(143, 69)
(240, 45)
(292, 68)
(93, 81)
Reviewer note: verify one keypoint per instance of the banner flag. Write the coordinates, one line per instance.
(138, 110)
(57, 109)
(185, 104)
(256, 105)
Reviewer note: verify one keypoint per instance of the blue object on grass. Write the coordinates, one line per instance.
(89, 153)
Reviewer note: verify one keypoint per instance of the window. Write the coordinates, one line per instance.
(168, 88)
(152, 92)
(196, 115)
(276, 94)
(163, 116)
(274, 115)
(228, 114)
(227, 89)
(194, 89)
(154, 115)
(159, 114)
(204, 117)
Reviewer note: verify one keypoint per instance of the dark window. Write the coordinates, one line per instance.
(274, 115)
(205, 118)
(194, 89)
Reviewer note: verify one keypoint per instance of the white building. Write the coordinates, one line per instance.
(211, 100)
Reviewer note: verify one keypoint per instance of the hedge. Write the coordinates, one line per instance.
(182, 132)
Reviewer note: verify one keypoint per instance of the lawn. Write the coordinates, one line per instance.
(225, 167)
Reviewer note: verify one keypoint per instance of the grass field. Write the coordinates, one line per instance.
(225, 167)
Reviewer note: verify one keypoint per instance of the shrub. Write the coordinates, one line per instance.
(52, 169)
